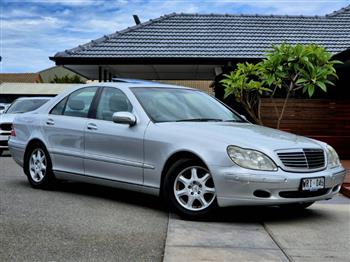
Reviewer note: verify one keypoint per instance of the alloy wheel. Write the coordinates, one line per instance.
(37, 165)
(194, 188)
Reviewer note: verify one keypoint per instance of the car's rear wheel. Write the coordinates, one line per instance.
(189, 189)
(38, 167)
(1, 152)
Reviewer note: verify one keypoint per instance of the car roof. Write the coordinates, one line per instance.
(134, 83)
(34, 98)
(122, 84)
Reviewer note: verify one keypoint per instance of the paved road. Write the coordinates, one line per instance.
(76, 222)
(80, 222)
(320, 233)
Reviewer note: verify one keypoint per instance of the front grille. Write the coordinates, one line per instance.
(303, 194)
(6, 126)
(303, 159)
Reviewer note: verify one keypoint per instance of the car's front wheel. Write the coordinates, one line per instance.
(1, 152)
(38, 167)
(189, 189)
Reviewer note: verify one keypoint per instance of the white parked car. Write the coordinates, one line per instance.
(3, 107)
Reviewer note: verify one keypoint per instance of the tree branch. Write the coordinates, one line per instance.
(291, 85)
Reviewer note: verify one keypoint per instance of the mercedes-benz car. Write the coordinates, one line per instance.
(19, 106)
(175, 142)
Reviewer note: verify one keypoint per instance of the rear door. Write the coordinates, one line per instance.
(64, 130)
(114, 151)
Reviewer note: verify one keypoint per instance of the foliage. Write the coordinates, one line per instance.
(305, 67)
(243, 84)
(67, 79)
(288, 67)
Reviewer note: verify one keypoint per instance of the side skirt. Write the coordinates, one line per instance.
(106, 182)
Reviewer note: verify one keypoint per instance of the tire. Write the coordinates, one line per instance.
(297, 206)
(1, 152)
(184, 186)
(38, 167)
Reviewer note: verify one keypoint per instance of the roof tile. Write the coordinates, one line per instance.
(214, 35)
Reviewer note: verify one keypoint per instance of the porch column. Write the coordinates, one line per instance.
(105, 75)
(99, 74)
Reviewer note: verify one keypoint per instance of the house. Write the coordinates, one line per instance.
(197, 46)
(14, 85)
(49, 74)
(20, 78)
(11, 91)
(43, 76)
(203, 46)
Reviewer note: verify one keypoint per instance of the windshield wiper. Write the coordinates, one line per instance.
(234, 120)
(200, 120)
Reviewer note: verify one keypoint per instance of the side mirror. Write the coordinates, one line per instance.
(126, 118)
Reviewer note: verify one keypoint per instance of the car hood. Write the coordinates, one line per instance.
(244, 135)
(7, 118)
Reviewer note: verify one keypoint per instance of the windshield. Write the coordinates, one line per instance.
(22, 106)
(176, 105)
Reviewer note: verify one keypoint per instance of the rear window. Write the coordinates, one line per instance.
(22, 106)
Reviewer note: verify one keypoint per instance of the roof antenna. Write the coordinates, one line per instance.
(137, 19)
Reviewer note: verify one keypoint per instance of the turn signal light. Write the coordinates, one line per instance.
(13, 132)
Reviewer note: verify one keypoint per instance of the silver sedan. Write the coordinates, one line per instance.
(171, 141)
(19, 106)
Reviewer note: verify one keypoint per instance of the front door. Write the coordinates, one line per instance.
(114, 151)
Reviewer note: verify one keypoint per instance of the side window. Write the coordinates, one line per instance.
(76, 104)
(58, 109)
(112, 100)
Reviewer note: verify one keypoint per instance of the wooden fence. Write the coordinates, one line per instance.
(322, 119)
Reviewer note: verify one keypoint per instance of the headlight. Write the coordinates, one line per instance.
(333, 159)
(251, 159)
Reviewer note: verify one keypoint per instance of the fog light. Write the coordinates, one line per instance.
(336, 188)
(261, 193)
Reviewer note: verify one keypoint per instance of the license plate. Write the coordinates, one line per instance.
(312, 184)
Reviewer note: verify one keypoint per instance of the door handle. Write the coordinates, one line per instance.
(91, 126)
(50, 122)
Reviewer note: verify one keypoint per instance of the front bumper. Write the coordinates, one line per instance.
(237, 186)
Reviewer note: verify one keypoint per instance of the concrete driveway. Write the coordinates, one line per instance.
(80, 222)
(320, 233)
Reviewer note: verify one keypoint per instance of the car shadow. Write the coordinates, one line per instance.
(136, 199)
(110, 193)
(260, 214)
(249, 214)
(6, 153)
